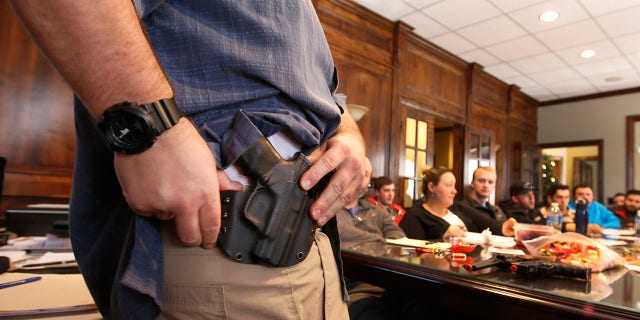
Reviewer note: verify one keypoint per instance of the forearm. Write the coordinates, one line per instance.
(98, 47)
(349, 126)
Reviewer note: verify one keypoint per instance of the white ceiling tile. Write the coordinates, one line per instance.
(492, 31)
(573, 87)
(616, 80)
(629, 43)
(390, 9)
(502, 70)
(600, 7)
(542, 94)
(453, 43)
(460, 13)
(479, 56)
(554, 76)
(419, 4)
(570, 12)
(538, 63)
(510, 5)
(608, 67)
(521, 81)
(634, 58)
(604, 50)
(517, 48)
(571, 35)
(622, 22)
(424, 26)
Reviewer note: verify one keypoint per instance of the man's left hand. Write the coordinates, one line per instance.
(343, 153)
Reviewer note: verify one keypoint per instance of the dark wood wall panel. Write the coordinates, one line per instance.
(368, 83)
(362, 45)
(432, 80)
(36, 125)
(355, 29)
(489, 91)
(523, 108)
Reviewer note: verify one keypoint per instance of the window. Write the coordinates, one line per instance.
(479, 152)
(416, 151)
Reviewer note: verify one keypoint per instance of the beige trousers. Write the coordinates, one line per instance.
(206, 284)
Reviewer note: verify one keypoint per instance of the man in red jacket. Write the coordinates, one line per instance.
(385, 193)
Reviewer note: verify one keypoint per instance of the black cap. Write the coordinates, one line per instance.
(521, 187)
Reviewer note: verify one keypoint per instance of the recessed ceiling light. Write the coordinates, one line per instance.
(613, 79)
(549, 16)
(586, 54)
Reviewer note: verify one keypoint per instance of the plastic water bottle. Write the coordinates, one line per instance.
(582, 217)
(554, 216)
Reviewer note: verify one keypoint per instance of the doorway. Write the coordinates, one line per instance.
(577, 162)
(428, 141)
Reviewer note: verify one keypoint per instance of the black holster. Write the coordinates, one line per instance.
(270, 223)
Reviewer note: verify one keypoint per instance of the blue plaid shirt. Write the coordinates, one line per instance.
(264, 64)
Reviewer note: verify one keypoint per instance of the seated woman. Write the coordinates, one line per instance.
(432, 219)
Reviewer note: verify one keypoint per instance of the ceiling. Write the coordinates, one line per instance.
(542, 58)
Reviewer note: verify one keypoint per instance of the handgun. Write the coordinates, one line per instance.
(532, 268)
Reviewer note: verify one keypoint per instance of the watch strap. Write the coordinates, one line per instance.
(164, 112)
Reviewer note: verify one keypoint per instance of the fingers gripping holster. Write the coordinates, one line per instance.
(270, 223)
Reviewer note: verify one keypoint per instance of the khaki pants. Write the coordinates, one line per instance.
(206, 284)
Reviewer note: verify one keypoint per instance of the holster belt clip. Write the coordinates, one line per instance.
(270, 223)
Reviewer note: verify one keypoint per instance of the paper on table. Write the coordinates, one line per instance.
(498, 241)
(44, 244)
(506, 251)
(14, 255)
(47, 261)
(44, 296)
(49, 205)
(619, 232)
(407, 242)
(23, 243)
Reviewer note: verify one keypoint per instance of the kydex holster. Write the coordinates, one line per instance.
(270, 223)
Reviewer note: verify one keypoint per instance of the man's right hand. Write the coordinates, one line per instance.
(177, 179)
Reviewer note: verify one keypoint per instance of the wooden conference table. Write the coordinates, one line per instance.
(492, 293)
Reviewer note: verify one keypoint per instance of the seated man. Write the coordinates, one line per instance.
(561, 194)
(385, 194)
(616, 202)
(475, 205)
(599, 216)
(361, 223)
(629, 210)
(522, 204)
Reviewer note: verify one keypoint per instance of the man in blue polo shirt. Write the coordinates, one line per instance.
(599, 216)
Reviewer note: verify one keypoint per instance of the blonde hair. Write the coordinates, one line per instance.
(484, 168)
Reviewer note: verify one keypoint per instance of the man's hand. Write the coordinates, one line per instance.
(177, 179)
(344, 153)
(508, 227)
(594, 229)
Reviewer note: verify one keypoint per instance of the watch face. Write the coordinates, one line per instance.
(127, 129)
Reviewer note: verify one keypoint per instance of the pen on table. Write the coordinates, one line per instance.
(18, 282)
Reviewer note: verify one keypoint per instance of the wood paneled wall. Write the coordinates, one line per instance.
(36, 126)
(382, 65)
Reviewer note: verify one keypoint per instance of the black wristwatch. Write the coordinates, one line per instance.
(131, 128)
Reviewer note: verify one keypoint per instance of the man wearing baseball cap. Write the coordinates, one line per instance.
(522, 204)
